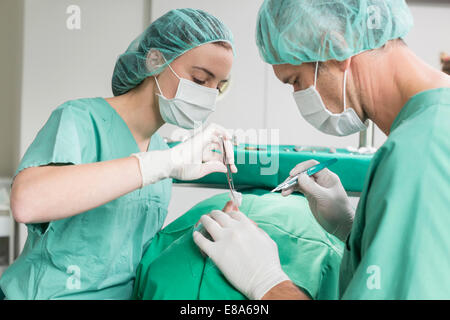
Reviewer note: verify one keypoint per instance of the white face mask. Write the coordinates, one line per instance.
(312, 108)
(191, 105)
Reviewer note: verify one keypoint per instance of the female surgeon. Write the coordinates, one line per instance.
(94, 186)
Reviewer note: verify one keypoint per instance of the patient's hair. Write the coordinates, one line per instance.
(445, 62)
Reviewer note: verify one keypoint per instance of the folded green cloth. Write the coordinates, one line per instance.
(269, 165)
(174, 268)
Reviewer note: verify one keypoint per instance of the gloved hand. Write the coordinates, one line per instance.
(245, 254)
(190, 160)
(327, 199)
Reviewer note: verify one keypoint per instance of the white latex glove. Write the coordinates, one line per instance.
(245, 254)
(190, 160)
(236, 198)
(327, 199)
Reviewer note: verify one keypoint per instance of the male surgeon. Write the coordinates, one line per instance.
(347, 62)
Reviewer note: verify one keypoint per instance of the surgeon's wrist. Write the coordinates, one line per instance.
(286, 290)
(175, 161)
(271, 279)
(154, 166)
(343, 230)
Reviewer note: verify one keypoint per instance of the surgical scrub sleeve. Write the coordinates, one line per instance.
(399, 246)
(92, 255)
(174, 268)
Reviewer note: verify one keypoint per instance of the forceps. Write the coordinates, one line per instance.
(229, 173)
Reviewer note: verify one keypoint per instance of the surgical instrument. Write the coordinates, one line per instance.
(229, 172)
(309, 172)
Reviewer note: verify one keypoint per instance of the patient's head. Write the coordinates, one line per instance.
(230, 207)
(445, 61)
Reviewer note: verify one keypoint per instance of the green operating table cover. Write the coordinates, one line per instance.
(173, 267)
(266, 166)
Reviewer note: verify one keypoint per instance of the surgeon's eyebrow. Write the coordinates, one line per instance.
(206, 71)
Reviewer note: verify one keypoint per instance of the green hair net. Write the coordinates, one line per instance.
(299, 31)
(167, 38)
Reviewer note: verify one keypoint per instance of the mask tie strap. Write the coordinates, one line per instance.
(315, 74)
(157, 84)
(173, 72)
(159, 88)
(317, 67)
(168, 64)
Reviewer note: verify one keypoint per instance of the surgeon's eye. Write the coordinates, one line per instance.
(198, 81)
(296, 84)
(222, 86)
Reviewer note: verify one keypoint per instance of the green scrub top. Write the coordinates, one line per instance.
(174, 268)
(399, 246)
(94, 254)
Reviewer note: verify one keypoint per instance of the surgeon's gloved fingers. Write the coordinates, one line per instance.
(228, 153)
(308, 185)
(203, 138)
(221, 218)
(237, 215)
(240, 216)
(218, 130)
(326, 178)
(265, 234)
(302, 166)
(204, 244)
(214, 133)
(288, 191)
(211, 167)
(217, 146)
(212, 226)
(229, 150)
(210, 155)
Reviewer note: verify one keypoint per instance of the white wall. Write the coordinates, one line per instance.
(11, 35)
(61, 64)
(428, 38)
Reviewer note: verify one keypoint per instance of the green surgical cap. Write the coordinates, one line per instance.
(163, 41)
(299, 31)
